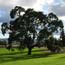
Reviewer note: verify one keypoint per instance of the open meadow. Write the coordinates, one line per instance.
(40, 56)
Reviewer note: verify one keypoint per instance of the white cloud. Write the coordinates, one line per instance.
(62, 18)
(36, 4)
(58, 9)
(49, 2)
(4, 36)
(12, 3)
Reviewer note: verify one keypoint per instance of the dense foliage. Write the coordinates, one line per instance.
(28, 26)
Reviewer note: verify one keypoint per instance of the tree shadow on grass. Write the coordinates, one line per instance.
(62, 57)
(22, 52)
(9, 57)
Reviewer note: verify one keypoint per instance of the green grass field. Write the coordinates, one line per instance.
(39, 57)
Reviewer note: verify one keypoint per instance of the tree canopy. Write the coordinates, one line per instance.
(29, 25)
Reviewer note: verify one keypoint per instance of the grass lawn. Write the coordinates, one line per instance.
(39, 57)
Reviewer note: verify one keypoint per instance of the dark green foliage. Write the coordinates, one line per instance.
(62, 36)
(30, 26)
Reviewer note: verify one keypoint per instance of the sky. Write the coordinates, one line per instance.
(46, 6)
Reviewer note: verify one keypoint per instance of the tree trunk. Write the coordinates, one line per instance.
(29, 51)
